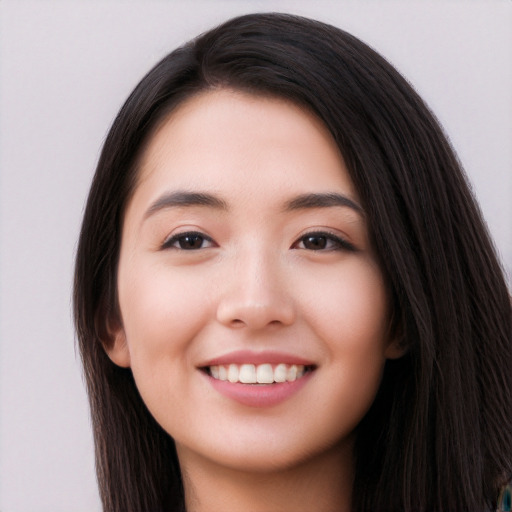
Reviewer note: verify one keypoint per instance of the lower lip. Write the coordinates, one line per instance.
(259, 395)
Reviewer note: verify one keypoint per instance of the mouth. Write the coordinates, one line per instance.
(258, 379)
(258, 374)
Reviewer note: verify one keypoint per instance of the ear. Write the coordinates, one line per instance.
(397, 345)
(117, 347)
(395, 349)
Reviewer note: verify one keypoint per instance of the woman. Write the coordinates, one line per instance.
(285, 295)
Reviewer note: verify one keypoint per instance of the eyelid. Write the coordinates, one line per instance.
(172, 239)
(342, 243)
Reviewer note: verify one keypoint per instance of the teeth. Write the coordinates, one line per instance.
(260, 374)
(223, 373)
(291, 374)
(233, 373)
(280, 373)
(248, 374)
(264, 374)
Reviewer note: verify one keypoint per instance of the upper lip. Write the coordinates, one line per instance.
(250, 357)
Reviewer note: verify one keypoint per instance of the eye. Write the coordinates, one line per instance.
(189, 241)
(321, 241)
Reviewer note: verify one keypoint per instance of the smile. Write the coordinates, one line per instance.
(258, 379)
(265, 373)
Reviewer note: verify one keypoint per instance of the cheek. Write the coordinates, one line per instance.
(351, 317)
(350, 307)
(162, 311)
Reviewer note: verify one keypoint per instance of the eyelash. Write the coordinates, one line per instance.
(337, 242)
(171, 242)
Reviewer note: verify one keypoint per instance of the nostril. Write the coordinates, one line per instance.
(237, 312)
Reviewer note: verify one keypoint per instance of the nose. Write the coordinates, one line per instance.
(255, 294)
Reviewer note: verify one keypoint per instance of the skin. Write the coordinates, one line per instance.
(252, 282)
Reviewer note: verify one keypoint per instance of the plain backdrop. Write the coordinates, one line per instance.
(65, 69)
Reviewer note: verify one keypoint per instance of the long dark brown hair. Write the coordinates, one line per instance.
(439, 434)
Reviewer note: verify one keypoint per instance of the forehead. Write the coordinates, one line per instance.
(230, 142)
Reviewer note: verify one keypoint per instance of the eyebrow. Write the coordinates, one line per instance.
(184, 198)
(303, 202)
(310, 201)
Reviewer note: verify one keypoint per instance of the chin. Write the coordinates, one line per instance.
(270, 453)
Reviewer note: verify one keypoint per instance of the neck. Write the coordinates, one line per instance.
(322, 484)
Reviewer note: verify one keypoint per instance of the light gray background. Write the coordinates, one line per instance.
(65, 69)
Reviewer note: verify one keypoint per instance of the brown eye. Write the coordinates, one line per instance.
(188, 242)
(314, 242)
(322, 241)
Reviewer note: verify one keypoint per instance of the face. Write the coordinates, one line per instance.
(253, 313)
